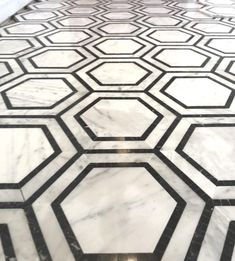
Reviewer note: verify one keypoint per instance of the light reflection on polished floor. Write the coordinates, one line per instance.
(117, 131)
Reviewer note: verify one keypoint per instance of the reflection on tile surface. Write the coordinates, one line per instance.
(117, 129)
(133, 198)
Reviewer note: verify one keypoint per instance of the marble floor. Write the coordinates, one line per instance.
(117, 131)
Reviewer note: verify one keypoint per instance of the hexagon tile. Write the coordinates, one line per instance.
(117, 131)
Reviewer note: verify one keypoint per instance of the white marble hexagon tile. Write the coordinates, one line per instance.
(117, 131)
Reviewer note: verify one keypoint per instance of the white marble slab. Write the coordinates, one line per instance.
(133, 196)
(28, 148)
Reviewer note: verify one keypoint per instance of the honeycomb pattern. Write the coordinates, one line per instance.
(117, 122)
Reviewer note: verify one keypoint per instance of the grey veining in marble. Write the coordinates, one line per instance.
(117, 130)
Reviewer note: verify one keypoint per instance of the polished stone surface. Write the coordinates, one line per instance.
(117, 131)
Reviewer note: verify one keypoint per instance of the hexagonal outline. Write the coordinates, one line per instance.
(87, 58)
(191, 27)
(5, 32)
(98, 29)
(81, 92)
(20, 17)
(10, 106)
(65, 152)
(105, 40)
(148, 72)
(95, 12)
(158, 163)
(175, 5)
(147, 36)
(152, 2)
(95, 86)
(11, 39)
(177, 42)
(65, 226)
(48, 42)
(180, 150)
(83, 3)
(159, 64)
(141, 10)
(33, 43)
(55, 49)
(181, 14)
(144, 22)
(64, 30)
(132, 18)
(207, 11)
(34, 7)
(204, 43)
(94, 137)
(57, 22)
(75, 3)
(86, 3)
(40, 166)
(81, 136)
(93, 47)
(178, 66)
(107, 7)
(187, 169)
(155, 91)
(227, 104)
(97, 7)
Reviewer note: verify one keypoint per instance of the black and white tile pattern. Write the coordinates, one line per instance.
(117, 131)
